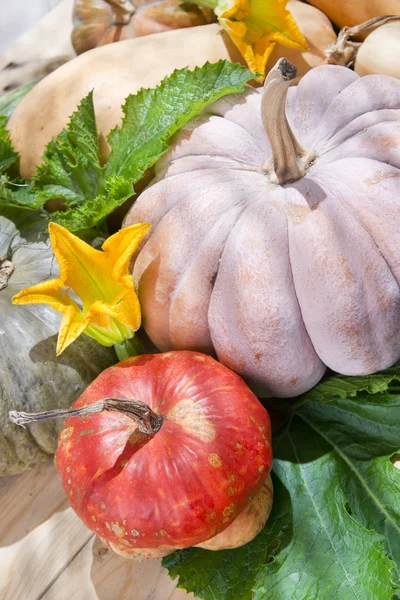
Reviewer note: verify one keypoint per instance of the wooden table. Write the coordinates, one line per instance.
(46, 553)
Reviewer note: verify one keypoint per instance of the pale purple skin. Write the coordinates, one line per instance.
(280, 281)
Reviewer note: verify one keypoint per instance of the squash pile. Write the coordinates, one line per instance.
(261, 215)
(273, 222)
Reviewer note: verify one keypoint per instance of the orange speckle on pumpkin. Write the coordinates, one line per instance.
(232, 477)
(135, 532)
(66, 433)
(261, 468)
(214, 460)
(93, 518)
(231, 491)
(228, 512)
(102, 505)
(263, 499)
(117, 529)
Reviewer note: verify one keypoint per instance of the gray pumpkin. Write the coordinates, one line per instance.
(32, 377)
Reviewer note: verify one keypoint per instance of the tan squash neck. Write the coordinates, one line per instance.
(289, 160)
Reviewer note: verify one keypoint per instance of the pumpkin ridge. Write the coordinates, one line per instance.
(387, 98)
(294, 286)
(214, 227)
(347, 339)
(323, 152)
(317, 368)
(358, 217)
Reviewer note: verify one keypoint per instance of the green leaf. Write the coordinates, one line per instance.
(10, 101)
(71, 170)
(8, 156)
(335, 525)
(18, 195)
(153, 116)
(93, 212)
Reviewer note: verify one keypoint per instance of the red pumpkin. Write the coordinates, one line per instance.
(181, 485)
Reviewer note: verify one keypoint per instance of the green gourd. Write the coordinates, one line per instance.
(32, 377)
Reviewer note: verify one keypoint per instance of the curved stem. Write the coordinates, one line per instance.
(289, 159)
(146, 419)
(128, 348)
(344, 52)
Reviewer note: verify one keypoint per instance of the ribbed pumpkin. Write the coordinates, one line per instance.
(182, 449)
(275, 237)
(32, 378)
(100, 22)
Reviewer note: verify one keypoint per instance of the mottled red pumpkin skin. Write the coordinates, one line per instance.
(182, 485)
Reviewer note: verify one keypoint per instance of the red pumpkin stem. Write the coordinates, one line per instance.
(146, 419)
(289, 160)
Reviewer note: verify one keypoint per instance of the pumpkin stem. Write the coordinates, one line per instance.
(344, 52)
(146, 419)
(123, 11)
(289, 160)
(6, 270)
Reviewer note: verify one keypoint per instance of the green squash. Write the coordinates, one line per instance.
(32, 377)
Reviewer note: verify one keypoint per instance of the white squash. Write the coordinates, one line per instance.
(380, 53)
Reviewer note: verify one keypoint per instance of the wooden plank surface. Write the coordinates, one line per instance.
(46, 553)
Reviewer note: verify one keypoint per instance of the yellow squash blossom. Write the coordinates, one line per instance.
(109, 309)
(255, 26)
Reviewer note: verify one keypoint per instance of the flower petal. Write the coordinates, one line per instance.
(70, 329)
(121, 246)
(50, 292)
(82, 268)
(255, 26)
(125, 308)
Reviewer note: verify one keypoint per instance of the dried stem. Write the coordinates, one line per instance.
(123, 11)
(289, 160)
(344, 52)
(146, 419)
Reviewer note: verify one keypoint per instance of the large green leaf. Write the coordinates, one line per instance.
(151, 117)
(8, 156)
(335, 526)
(71, 170)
